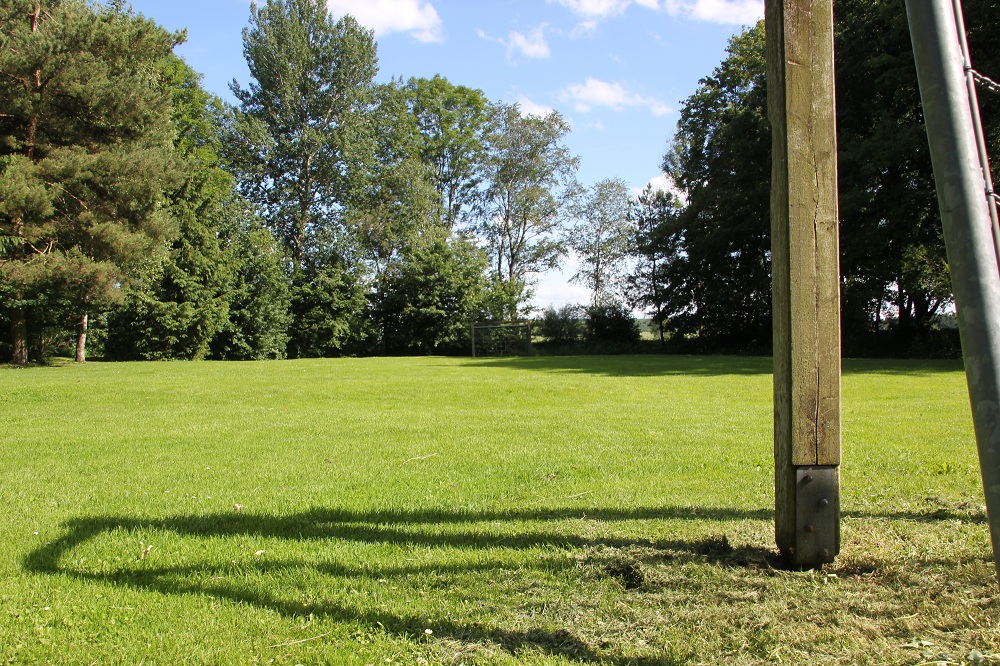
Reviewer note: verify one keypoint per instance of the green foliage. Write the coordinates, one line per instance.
(50, 313)
(717, 258)
(892, 250)
(657, 243)
(295, 138)
(394, 199)
(80, 191)
(611, 323)
(453, 122)
(427, 301)
(183, 302)
(602, 238)
(894, 273)
(562, 326)
(259, 298)
(529, 184)
(326, 159)
(506, 301)
(328, 314)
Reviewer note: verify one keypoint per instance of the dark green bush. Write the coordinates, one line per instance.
(562, 326)
(611, 322)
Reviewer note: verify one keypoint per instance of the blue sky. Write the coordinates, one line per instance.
(618, 70)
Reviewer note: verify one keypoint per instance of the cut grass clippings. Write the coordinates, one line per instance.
(613, 510)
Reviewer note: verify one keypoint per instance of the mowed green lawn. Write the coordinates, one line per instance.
(609, 510)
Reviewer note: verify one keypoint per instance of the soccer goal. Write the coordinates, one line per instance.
(510, 338)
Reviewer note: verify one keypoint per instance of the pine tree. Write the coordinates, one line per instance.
(86, 153)
(182, 301)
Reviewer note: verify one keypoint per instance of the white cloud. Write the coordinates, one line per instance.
(584, 29)
(599, 9)
(734, 12)
(660, 108)
(595, 92)
(415, 17)
(532, 45)
(662, 183)
(530, 107)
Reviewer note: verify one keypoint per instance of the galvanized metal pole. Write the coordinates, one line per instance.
(972, 261)
(977, 122)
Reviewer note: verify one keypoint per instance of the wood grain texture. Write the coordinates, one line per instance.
(804, 242)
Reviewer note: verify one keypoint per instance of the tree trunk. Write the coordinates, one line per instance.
(81, 340)
(19, 335)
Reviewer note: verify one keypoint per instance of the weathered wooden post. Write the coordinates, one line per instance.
(806, 281)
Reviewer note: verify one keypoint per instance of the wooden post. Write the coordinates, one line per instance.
(806, 283)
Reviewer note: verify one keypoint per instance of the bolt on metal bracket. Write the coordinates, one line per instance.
(817, 514)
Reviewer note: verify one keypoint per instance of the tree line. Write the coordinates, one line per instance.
(325, 213)
(705, 261)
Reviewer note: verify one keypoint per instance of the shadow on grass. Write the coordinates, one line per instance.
(619, 558)
(475, 531)
(703, 366)
(635, 365)
(903, 367)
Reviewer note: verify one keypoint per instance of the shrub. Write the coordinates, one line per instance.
(562, 326)
(611, 322)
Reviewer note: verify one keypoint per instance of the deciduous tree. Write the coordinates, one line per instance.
(529, 183)
(427, 300)
(602, 238)
(720, 157)
(292, 139)
(453, 122)
(656, 284)
(394, 197)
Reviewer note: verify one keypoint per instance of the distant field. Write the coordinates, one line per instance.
(552, 510)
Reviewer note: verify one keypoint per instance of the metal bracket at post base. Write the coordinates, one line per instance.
(817, 515)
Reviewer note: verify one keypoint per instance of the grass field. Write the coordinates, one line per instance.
(566, 510)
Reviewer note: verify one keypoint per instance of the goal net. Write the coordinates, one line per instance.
(502, 339)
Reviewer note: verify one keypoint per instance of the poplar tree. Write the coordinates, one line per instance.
(394, 198)
(530, 182)
(293, 140)
(86, 151)
(453, 122)
(602, 238)
(298, 144)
